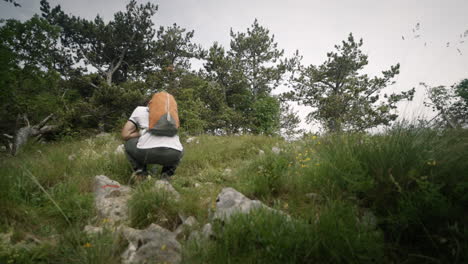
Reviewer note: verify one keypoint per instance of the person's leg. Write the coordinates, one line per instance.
(133, 155)
(167, 157)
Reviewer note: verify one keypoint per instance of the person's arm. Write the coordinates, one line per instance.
(129, 131)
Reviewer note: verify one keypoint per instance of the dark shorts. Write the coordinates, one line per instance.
(167, 157)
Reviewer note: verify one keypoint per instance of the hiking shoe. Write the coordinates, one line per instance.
(166, 177)
(139, 176)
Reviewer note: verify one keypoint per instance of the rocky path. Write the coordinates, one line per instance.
(156, 243)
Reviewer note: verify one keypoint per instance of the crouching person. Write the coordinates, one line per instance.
(150, 136)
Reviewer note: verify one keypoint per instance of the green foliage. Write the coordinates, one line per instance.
(451, 104)
(105, 46)
(266, 115)
(256, 56)
(247, 73)
(29, 85)
(346, 100)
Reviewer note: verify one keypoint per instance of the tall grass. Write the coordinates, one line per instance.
(412, 181)
(266, 237)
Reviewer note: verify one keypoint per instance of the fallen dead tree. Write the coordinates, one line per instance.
(23, 134)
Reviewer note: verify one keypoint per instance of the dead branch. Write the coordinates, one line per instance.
(24, 133)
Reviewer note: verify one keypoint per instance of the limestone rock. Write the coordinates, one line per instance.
(369, 220)
(103, 135)
(71, 157)
(120, 149)
(111, 199)
(207, 231)
(230, 201)
(161, 185)
(313, 196)
(183, 229)
(276, 150)
(153, 243)
(92, 230)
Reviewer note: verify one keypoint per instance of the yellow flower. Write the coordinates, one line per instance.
(317, 164)
(163, 247)
(87, 245)
(314, 137)
(105, 220)
(285, 205)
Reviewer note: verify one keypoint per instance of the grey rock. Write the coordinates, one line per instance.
(111, 199)
(191, 139)
(194, 236)
(161, 185)
(92, 230)
(120, 149)
(103, 135)
(71, 157)
(183, 229)
(312, 196)
(230, 201)
(153, 243)
(207, 231)
(276, 150)
(369, 220)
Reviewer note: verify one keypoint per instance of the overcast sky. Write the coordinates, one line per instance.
(314, 27)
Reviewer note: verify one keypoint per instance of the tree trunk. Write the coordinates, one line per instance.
(28, 131)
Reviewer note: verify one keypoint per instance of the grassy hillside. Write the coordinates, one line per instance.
(397, 197)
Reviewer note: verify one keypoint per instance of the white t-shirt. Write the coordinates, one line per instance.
(140, 117)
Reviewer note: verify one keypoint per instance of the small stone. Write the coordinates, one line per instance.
(230, 201)
(369, 220)
(188, 224)
(151, 245)
(120, 149)
(92, 230)
(276, 150)
(167, 187)
(197, 185)
(261, 152)
(71, 157)
(103, 135)
(207, 231)
(312, 196)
